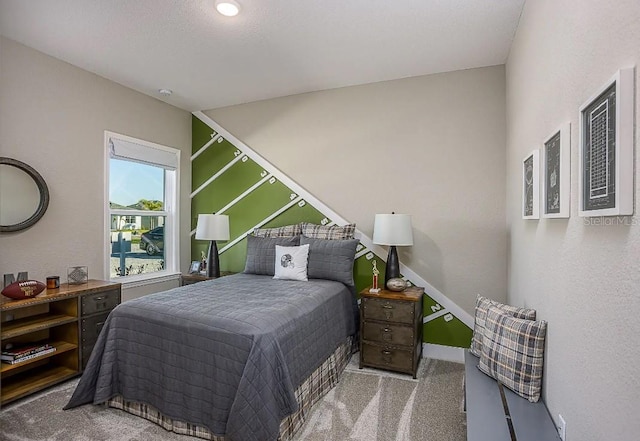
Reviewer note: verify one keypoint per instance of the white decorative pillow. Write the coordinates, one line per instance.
(291, 262)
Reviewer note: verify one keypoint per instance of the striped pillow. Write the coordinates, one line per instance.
(334, 232)
(285, 231)
(482, 305)
(513, 352)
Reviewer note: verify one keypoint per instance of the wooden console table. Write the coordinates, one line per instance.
(68, 318)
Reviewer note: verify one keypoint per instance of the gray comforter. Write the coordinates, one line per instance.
(226, 354)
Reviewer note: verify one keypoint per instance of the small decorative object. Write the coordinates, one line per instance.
(531, 186)
(213, 227)
(396, 284)
(195, 267)
(374, 288)
(556, 167)
(8, 280)
(606, 149)
(53, 282)
(203, 261)
(77, 275)
(394, 230)
(24, 289)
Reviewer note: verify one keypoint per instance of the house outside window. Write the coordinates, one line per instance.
(142, 228)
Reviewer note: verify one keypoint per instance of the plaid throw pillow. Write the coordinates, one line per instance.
(513, 351)
(482, 305)
(285, 231)
(334, 232)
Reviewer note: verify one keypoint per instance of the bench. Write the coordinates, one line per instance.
(495, 413)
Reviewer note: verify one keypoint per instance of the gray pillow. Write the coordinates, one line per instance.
(331, 259)
(261, 253)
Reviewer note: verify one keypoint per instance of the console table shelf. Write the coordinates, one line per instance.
(61, 348)
(27, 383)
(35, 323)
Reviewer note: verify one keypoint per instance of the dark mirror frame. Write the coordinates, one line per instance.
(42, 188)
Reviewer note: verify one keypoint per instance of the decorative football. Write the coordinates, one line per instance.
(23, 290)
(396, 284)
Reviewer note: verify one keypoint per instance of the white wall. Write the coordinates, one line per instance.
(53, 117)
(431, 146)
(583, 279)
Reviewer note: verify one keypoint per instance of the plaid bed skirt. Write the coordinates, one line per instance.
(321, 381)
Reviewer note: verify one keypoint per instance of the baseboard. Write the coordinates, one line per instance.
(440, 352)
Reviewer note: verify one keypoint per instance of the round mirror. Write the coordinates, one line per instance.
(24, 196)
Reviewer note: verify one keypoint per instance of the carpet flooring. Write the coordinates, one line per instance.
(367, 404)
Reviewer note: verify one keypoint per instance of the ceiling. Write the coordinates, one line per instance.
(272, 48)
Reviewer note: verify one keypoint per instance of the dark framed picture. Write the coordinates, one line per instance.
(531, 186)
(556, 170)
(606, 149)
(195, 267)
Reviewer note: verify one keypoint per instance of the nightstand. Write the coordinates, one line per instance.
(391, 329)
(188, 279)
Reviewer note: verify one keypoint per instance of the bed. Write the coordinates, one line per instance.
(226, 359)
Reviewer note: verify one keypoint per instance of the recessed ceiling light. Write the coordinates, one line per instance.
(165, 92)
(228, 8)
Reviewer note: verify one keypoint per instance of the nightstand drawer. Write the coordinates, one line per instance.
(100, 302)
(388, 310)
(388, 357)
(388, 333)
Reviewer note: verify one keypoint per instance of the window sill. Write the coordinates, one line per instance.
(146, 279)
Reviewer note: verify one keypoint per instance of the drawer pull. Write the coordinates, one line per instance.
(387, 306)
(387, 334)
(97, 299)
(386, 356)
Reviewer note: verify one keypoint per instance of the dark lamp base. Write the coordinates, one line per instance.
(213, 260)
(392, 269)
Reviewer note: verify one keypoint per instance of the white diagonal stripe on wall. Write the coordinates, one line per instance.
(434, 316)
(244, 194)
(264, 221)
(239, 198)
(204, 147)
(215, 176)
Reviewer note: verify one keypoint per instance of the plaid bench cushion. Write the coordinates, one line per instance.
(513, 352)
(482, 305)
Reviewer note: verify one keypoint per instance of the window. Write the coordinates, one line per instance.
(142, 209)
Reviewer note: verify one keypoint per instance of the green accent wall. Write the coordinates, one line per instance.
(269, 204)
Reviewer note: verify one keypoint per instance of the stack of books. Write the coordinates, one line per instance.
(19, 354)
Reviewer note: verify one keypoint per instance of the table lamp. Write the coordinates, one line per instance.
(393, 230)
(213, 227)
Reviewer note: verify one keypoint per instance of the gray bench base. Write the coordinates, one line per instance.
(487, 419)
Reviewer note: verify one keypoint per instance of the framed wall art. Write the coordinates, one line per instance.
(531, 186)
(556, 172)
(606, 149)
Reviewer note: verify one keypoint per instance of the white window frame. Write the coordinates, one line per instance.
(171, 213)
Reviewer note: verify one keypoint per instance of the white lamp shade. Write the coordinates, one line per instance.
(212, 227)
(393, 229)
